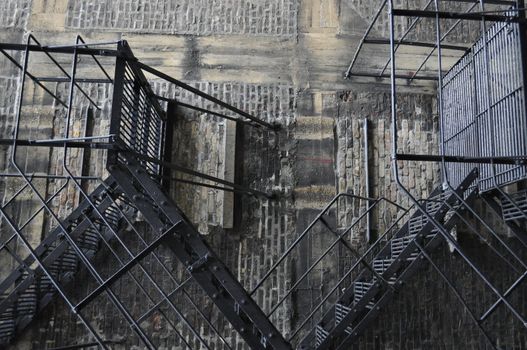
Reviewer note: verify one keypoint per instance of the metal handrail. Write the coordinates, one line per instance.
(313, 223)
(379, 240)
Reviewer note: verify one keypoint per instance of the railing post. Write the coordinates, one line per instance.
(169, 125)
(117, 101)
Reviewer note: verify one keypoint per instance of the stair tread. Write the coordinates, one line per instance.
(344, 314)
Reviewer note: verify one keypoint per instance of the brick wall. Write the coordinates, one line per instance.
(14, 13)
(281, 60)
(197, 17)
(417, 134)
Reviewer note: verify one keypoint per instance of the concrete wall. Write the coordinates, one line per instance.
(283, 61)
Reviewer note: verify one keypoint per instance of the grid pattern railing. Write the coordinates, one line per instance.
(484, 108)
(140, 123)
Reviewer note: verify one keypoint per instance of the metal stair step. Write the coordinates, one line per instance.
(369, 298)
(399, 244)
(515, 209)
(320, 335)
(30, 291)
(416, 224)
(359, 290)
(340, 312)
(381, 265)
(433, 206)
(7, 324)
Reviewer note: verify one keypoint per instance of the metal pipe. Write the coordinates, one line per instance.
(415, 43)
(203, 110)
(204, 95)
(64, 50)
(398, 76)
(196, 173)
(454, 15)
(367, 176)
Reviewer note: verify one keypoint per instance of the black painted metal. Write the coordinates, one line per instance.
(138, 159)
(26, 282)
(396, 261)
(201, 262)
(139, 163)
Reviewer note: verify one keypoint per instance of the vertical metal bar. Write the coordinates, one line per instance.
(28, 181)
(440, 90)
(77, 250)
(491, 110)
(117, 102)
(168, 144)
(522, 28)
(367, 178)
(436, 224)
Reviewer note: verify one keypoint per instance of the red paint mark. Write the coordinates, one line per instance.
(318, 160)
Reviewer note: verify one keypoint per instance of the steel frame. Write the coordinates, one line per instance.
(137, 152)
(512, 14)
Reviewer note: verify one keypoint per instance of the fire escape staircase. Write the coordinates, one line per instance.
(512, 209)
(396, 263)
(132, 187)
(27, 290)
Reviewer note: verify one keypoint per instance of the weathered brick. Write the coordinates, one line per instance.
(198, 17)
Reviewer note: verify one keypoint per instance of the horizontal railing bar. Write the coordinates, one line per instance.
(516, 160)
(387, 76)
(52, 176)
(455, 15)
(65, 50)
(203, 110)
(416, 43)
(196, 173)
(69, 144)
(78, 80)
(200, 93)
(84, 44)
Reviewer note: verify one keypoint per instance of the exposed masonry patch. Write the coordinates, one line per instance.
(198, 17)
(270, 102)
(14, 13)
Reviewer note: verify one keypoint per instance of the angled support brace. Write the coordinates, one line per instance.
(201, 262)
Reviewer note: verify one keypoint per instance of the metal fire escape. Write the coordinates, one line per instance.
(482, 100)
(483, 150)
(137, 163)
